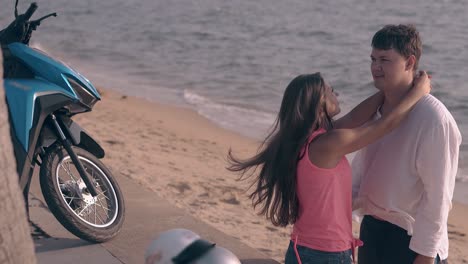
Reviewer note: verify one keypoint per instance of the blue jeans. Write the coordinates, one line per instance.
(312, 256)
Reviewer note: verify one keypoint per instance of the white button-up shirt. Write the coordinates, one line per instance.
(407, 177)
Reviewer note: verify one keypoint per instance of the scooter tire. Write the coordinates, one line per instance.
(55, 199)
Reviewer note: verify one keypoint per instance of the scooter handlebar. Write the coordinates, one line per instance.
(32, 8)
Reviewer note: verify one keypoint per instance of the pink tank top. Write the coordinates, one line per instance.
(325, 207)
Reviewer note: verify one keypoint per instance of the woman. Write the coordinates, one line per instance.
(305, 178)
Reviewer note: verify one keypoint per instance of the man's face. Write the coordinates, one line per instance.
(389, 69)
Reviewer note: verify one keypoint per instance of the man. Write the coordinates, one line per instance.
(404, 182)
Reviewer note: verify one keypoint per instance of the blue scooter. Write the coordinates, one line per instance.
(42, 95)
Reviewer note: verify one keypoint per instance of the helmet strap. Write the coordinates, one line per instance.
(193, 251)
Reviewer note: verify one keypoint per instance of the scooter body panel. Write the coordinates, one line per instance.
(21, 96)
(50, 69)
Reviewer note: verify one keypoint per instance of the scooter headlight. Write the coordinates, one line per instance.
(87, 100)
(86, 97)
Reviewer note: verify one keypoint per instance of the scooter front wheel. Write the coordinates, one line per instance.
(95, 219)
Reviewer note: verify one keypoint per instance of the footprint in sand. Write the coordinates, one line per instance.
(229, 189)
(456, 233)
(204, 195)
(113, 142)
(230, 198)
(231, 201)
(154, 133)
(271, 229)
(180, 186)
(175, 169)
(265, 250)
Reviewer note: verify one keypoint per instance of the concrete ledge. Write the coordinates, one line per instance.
(147, 215)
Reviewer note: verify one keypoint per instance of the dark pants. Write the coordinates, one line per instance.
(312, 256)
(385, 243)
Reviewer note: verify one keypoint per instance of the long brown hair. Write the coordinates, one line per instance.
(302, 111)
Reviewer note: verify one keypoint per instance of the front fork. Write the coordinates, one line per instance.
(76, 161)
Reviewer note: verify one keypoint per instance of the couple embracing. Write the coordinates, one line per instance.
(401, 180)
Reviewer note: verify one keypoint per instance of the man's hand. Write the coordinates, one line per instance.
(420, 259)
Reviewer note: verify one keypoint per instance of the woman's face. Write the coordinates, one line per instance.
(331, 101)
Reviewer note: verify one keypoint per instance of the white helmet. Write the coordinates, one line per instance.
(182, 246)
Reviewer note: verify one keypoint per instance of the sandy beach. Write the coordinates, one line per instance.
(182, 157)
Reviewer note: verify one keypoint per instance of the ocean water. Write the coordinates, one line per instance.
(231, 60)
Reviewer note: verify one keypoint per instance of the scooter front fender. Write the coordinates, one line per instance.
(82, 138)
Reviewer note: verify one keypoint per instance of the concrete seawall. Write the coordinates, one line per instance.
(146, 216)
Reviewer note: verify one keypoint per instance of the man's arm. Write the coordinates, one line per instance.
(361, 113)
(436, 164)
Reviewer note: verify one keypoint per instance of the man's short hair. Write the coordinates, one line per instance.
(402, 38)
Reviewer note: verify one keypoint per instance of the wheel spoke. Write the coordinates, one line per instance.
(95, 212)
(106, 209)
(99, 217)
(105, 196)
(69, 172)
(84, 208)
(66, 170)
(103, 207)
(71, 199)
(75, 196)
(76, 210)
